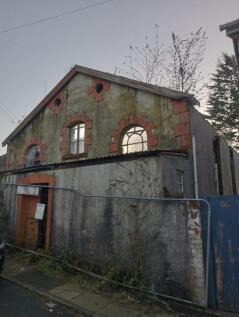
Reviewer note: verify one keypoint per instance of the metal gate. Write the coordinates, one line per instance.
(224, 253)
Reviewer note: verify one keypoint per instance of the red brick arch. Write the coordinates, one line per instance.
(115, 146)
(72, 120)
(27, 145)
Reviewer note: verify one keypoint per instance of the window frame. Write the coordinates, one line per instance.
(28, 162)
(180, 183)
(79, 140)
(138, 131)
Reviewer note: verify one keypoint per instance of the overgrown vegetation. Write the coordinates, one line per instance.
(176, 66)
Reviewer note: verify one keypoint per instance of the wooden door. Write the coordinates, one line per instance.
(31, 224)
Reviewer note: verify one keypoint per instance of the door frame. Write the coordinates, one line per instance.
(35, 179)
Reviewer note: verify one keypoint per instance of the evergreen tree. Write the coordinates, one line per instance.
(223, 101)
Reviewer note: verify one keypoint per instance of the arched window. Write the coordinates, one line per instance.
(32, 156)
(77, 138)
(134, 140)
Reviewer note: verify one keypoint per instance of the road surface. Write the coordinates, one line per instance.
(16, 301)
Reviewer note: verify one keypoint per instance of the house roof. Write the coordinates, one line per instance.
(230, 27)
(166, 92)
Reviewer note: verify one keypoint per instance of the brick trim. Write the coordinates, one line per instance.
(34, 179)
(57, 108)
(64, 145)
(116, 138)
(182, 129)
(92, 91)
(27, 145)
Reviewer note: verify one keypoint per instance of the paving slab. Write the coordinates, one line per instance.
(66, 291)
(38, 279)
(91, 301)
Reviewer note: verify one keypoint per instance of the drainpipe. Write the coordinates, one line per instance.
(195, 172)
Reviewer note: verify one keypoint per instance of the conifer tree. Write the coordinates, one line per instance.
(223, 101)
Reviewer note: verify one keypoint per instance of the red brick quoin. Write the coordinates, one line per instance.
(71, 121)
(182, 129)
(98, 95)
(33, 141)
(123, 125)
(57, 103)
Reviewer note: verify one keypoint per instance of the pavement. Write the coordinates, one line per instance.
(81, 296)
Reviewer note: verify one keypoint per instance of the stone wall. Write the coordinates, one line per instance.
(106, 116)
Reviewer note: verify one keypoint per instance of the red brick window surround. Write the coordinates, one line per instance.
(41, 157)
(124, 125)
(75, 125)
(57, 103)
(182, 129)
(98, 89)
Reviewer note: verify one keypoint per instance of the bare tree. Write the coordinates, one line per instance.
(185, 58)
(176, 67)
(145, 63)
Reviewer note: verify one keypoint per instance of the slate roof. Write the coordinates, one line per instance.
(162, 91)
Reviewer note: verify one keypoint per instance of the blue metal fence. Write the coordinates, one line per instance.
(224, 252)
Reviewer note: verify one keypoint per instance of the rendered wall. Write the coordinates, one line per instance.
(160, 242)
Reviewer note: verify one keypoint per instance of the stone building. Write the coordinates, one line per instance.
(97, 134)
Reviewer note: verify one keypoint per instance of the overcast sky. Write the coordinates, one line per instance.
(34, 59)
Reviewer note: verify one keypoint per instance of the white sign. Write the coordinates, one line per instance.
(28, 190)
(40, 211)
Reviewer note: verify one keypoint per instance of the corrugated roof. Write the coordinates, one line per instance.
(166, 92)
(99, 160)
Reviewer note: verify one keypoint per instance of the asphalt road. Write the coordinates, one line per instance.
(16, 301)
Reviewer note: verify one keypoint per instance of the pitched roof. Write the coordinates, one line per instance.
(230, 27)
(166, 92)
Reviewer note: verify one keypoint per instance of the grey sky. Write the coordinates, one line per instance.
(34, 59)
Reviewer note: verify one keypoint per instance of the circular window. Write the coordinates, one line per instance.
(57, 102)
(98, 88)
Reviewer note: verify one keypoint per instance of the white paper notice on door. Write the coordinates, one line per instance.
(40, 211)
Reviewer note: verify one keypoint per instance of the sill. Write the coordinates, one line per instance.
(70, 156)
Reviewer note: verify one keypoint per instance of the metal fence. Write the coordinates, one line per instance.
(153, 244)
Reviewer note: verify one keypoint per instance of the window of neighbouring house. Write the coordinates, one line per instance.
(180, 182)
(134, 140)
(77, 138)
(32, 156)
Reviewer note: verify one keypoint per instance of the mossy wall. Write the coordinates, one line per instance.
(117, 103)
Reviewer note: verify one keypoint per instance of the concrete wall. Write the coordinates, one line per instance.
(204, 136)
(225, 169)
(235, 158)
(2, 162)
(155, 241)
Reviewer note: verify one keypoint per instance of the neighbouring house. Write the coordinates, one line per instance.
(232, 31)
(97, 135)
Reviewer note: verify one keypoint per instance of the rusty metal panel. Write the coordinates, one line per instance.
(225, 252)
